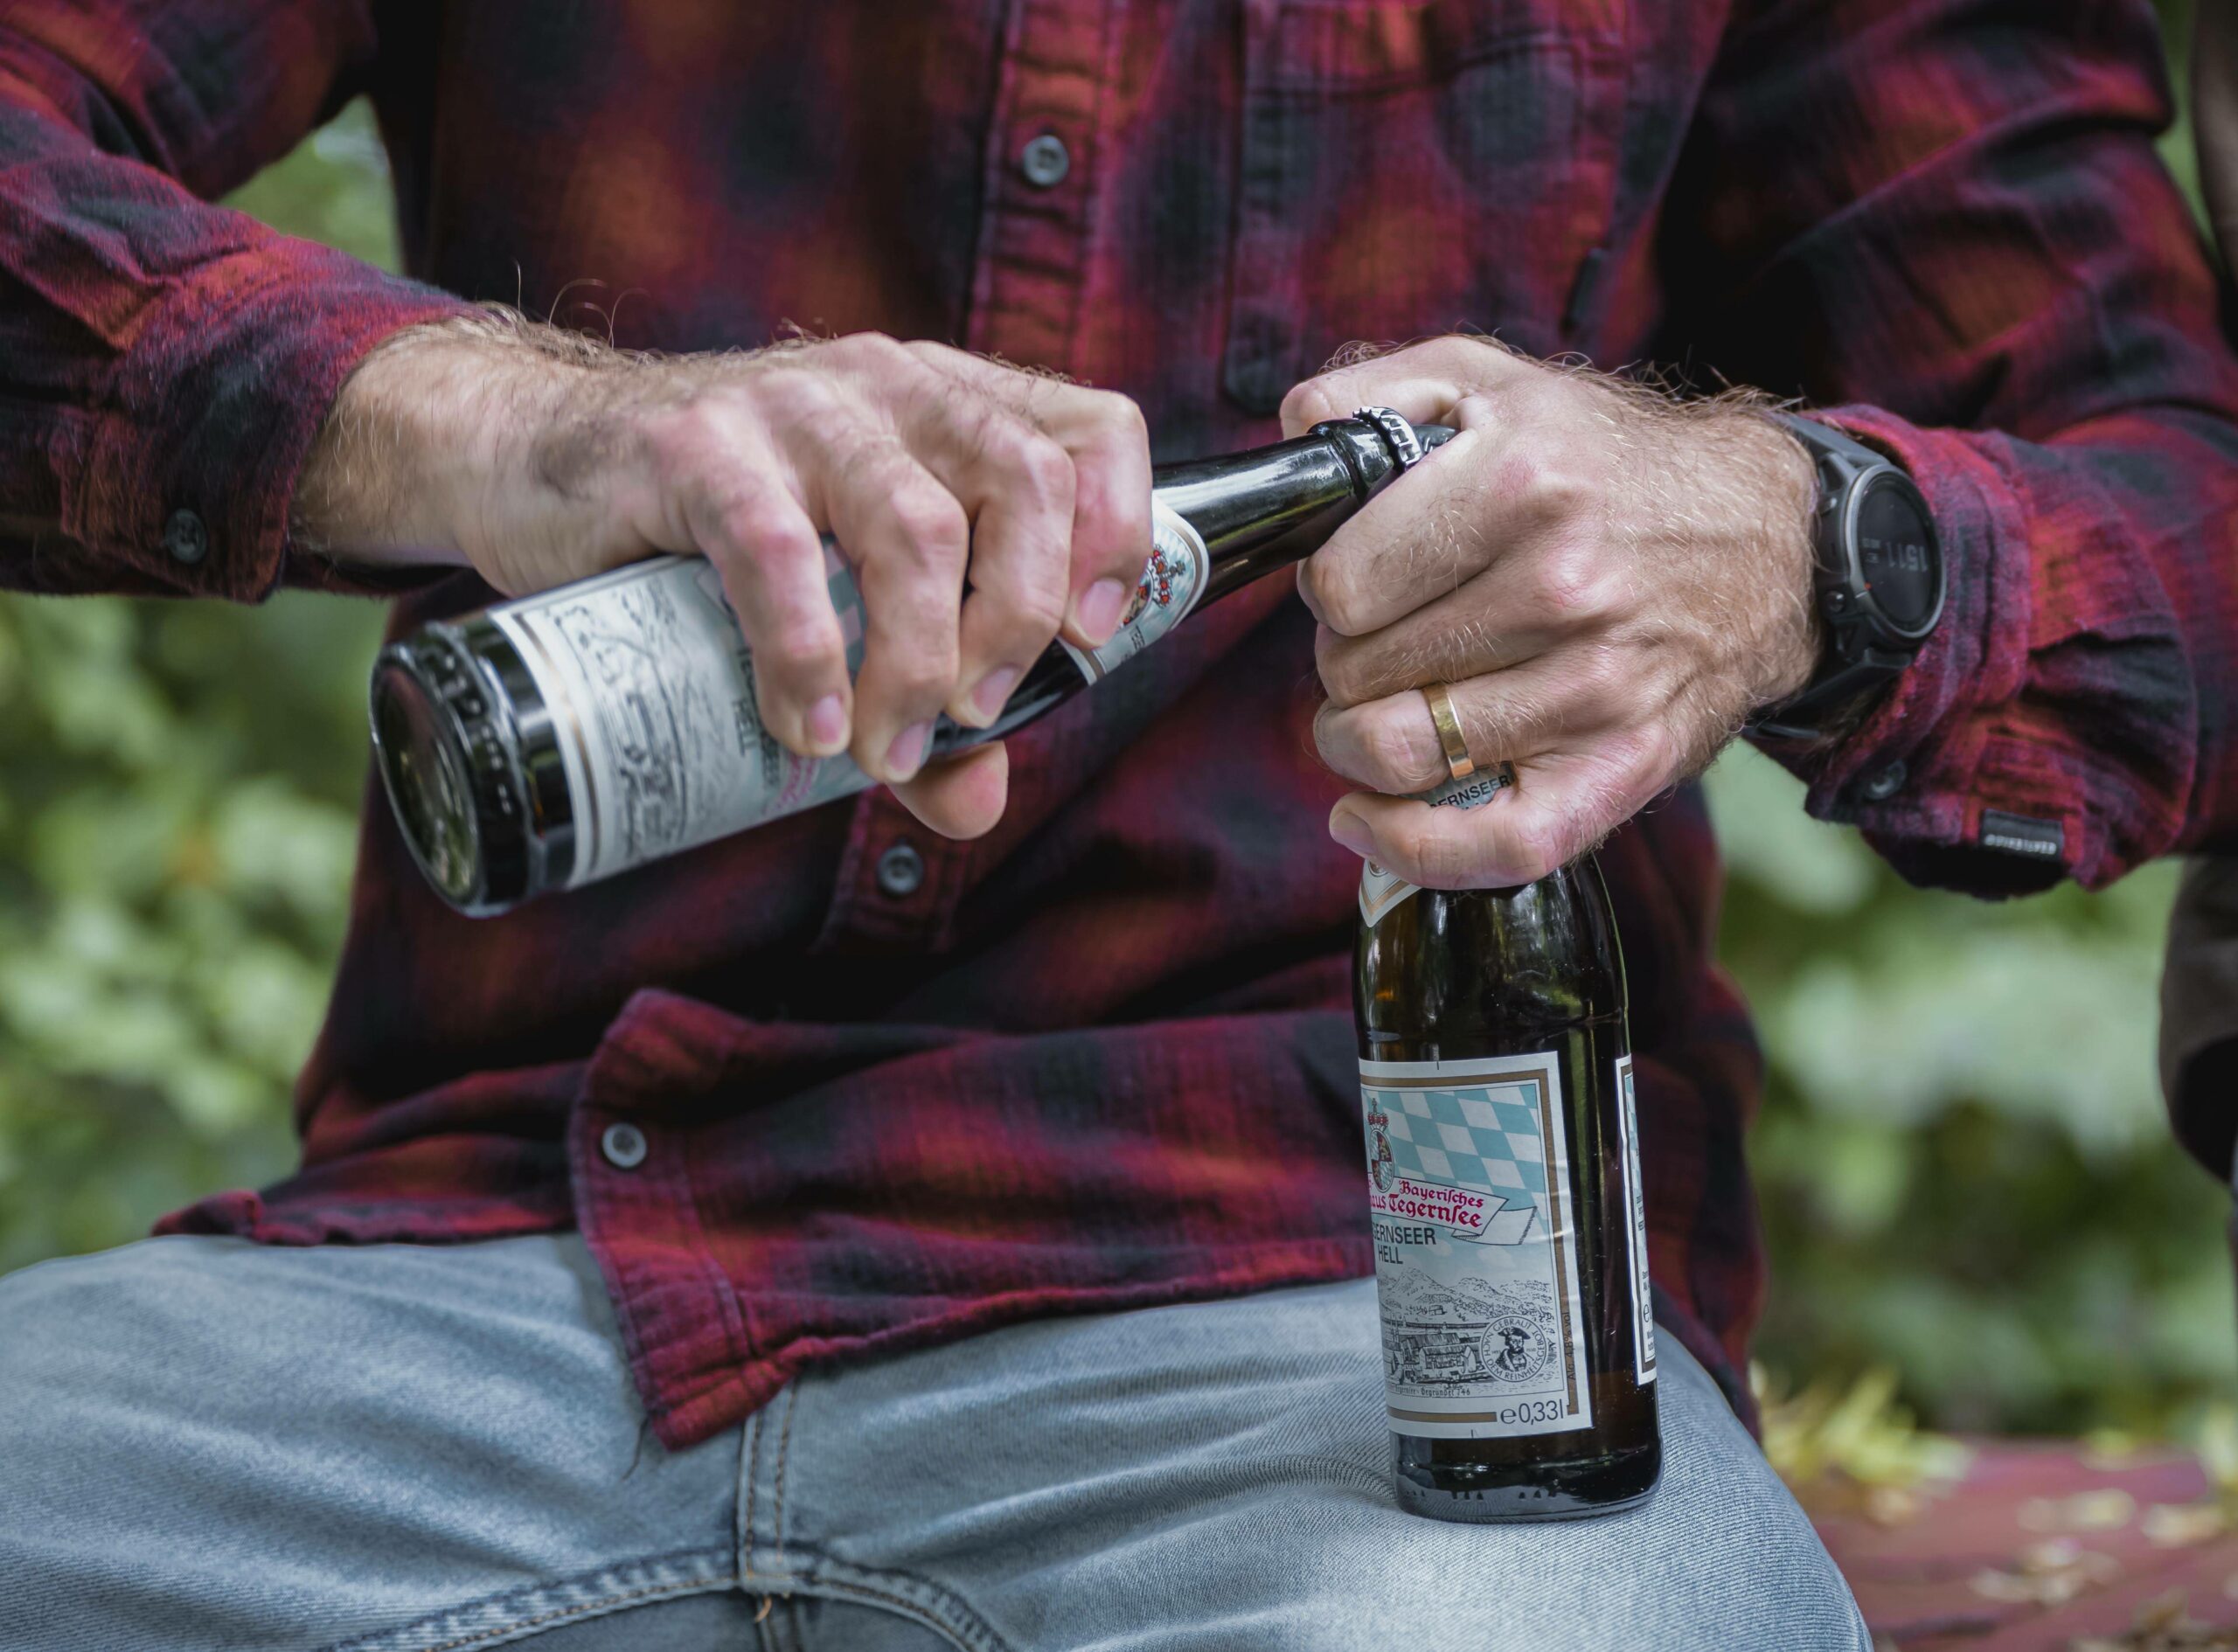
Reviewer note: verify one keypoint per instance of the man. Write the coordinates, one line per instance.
(934, 1190)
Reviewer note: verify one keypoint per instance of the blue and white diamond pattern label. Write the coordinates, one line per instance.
(1475, 1247)
(1172, 583)
(1627, 1124)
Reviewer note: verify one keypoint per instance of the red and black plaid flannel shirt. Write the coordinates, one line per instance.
(1102, 1058)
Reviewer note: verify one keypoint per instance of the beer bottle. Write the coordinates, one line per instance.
(1504, 1193)
(547, 742)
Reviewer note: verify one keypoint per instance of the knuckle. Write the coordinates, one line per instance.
(1395, 751)
(925, 673)
(1331, 595)
(871, 348)
(1042, 464)
(1570, 583)
(799, 647)
(765, 533)
(1544, 477)
(932, 523)
(1035, 607)
(791, 391)
(1311, 402)
(686, 436)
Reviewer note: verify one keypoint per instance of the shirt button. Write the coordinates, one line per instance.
(1045, 161)
(623, 1146)
(187, 538)
(1886, 784)
(900, 871)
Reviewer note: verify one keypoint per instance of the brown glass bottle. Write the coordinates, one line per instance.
(1502, 1174)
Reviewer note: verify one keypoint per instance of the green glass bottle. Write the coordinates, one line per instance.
(1504, 1189)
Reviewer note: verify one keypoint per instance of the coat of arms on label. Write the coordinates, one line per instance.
(1379, 1150)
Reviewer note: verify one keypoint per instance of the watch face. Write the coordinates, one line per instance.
(1896, 551)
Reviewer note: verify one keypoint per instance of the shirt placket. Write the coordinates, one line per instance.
(1040, 170)
(898, 883)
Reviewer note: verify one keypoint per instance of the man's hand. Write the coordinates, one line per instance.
(1610, 581)
(539, 457)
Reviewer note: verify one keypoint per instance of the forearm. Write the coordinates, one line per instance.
(164, 363)
(428, 429)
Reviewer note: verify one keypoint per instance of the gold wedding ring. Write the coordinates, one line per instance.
(1458, 763)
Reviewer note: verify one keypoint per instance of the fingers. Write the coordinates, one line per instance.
(982, 510)
(1016, 485)
(772, 562)
(1517, 487)
(1390, 744)
(907, 537)
(1422, 382)
(961, 796)
(1560, 808)
(1104, 437)
(1111, 516)
(1546, 588)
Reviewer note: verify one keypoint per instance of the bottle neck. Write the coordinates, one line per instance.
(1260, 511)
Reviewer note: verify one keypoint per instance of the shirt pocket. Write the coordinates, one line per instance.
(1410, 166)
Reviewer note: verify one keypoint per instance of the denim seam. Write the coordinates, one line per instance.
(934, 1604)
(784, 1456)
(531, 1599)
(750, 1472)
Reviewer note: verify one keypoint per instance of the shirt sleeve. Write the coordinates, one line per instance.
(164, 363)
(1943, 223)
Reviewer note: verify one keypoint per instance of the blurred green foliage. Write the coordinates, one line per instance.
(1964, 1172)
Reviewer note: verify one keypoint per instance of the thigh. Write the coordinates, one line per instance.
(205, 1443)
(1214, 1477)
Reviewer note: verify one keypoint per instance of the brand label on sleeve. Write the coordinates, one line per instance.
(1628, 1126)
(1172, 583)
(650, 689)
(1475, 1247)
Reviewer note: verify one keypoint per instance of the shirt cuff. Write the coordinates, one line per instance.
(1939, 792)
(188, 476)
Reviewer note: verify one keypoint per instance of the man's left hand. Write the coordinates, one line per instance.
(1610, 580)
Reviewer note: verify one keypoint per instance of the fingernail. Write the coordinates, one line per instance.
(994, 692)
(827, 723)
(1101, 606)
(1351, 831)
(906, 756)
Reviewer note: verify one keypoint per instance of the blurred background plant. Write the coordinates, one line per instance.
(1964, 1172)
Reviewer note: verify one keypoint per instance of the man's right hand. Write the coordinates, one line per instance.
(537, 458)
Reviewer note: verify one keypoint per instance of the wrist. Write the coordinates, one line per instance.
(1878, 582)
(1780, 479)
(424, 441)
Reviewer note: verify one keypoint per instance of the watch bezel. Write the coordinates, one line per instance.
(1857, 589)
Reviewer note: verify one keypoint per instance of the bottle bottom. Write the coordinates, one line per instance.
(1490, 1493)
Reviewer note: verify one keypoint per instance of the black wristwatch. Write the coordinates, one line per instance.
(1879, 580)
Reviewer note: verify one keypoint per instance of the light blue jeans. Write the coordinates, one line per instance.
(401, 1448)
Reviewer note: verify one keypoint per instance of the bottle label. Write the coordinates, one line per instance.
(1381, 891)
(1475, 1247)
(1172, 583)
(651, 685)
(1628, 1126)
